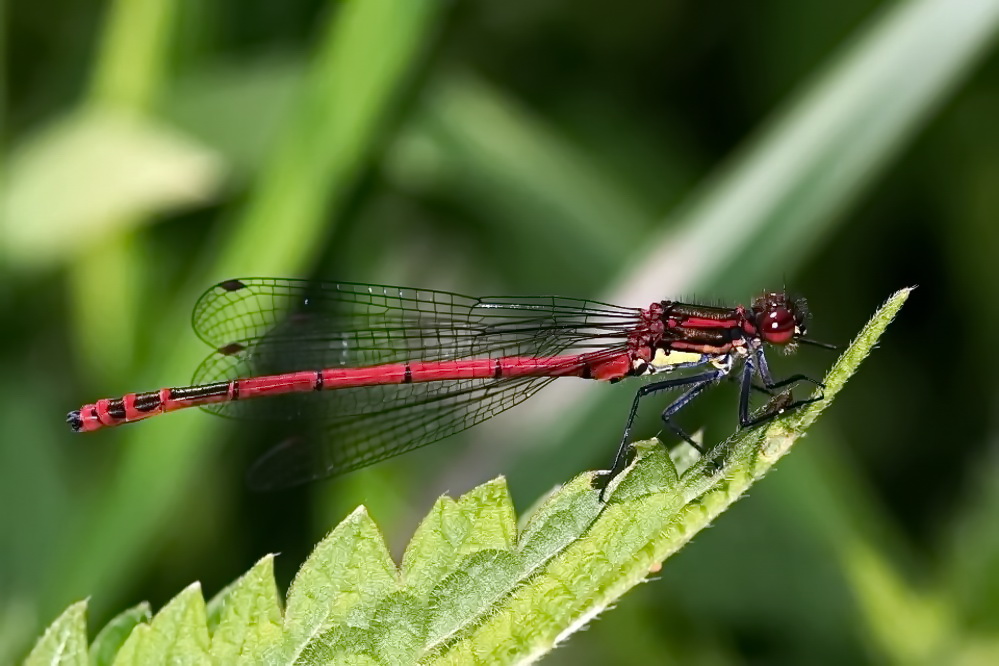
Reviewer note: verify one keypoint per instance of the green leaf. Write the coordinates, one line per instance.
(341, 582)
(470, 588)
(65, 641)
(105, 647)
(245, 617)
(177, 634)
(481, 520)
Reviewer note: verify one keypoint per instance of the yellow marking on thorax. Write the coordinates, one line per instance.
(666, 359)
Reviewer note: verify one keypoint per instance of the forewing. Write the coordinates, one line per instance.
(283, 324)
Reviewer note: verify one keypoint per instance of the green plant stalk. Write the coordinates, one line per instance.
(132, 63)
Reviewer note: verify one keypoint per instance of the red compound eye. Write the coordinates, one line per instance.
(776, 325)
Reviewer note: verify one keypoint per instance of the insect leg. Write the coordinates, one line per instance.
(768, 380)
(745, 420)
(697, 384)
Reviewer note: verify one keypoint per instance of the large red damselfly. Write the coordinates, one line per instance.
(386, 370)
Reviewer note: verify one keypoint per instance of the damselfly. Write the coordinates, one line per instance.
(386, 370)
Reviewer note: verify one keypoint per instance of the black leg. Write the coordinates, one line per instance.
(792, 379)
(679, 404)
(768, 380)
(745, 420)
(697, 384)
(747, 384)
(762, 389)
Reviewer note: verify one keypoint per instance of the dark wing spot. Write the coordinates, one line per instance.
(231, 348)
(232, 285)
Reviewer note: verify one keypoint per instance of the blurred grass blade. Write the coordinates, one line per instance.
(907, 626)
(971, 566)
(471, 142)
(363, 60)
(363, 63)
(772, 206)
(134, 51)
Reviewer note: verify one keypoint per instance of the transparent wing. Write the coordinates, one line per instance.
(337, 324)
(351, 442)
(354, 441)
(268, 326)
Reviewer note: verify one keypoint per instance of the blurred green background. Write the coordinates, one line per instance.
(631, 152)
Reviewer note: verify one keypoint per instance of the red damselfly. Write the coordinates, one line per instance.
(386, 370)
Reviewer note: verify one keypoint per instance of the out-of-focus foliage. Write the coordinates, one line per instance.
(631, 152)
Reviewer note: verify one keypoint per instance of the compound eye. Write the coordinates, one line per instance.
(777, 325)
